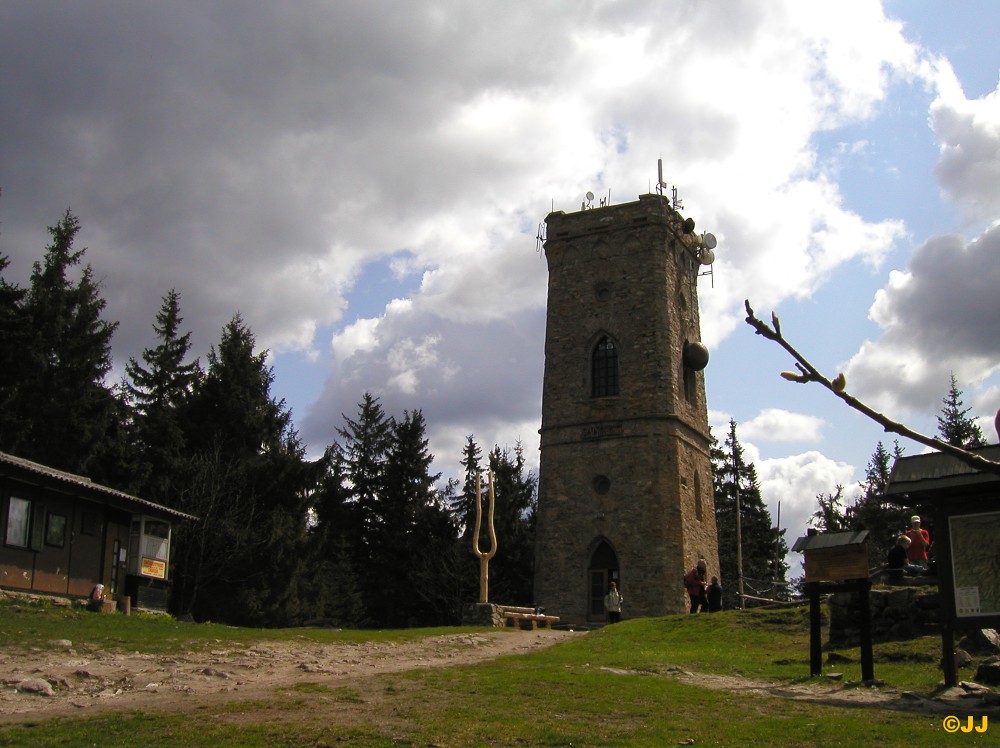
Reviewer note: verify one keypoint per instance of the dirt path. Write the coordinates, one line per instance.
(80, 681)
(87, 682)
(964, 699)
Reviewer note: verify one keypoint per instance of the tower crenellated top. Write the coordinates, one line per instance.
(649, 210)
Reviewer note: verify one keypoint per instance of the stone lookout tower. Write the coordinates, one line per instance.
(625, 479)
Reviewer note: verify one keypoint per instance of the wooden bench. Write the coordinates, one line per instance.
(526, 618)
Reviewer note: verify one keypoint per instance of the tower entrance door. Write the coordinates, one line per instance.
(603, 568)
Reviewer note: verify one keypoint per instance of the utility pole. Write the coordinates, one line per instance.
(739, 528)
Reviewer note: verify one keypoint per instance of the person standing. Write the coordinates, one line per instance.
(920, 541)
(696, 583)
(714, 596)
(613, 603)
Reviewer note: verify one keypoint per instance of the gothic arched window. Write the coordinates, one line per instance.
(604, 369)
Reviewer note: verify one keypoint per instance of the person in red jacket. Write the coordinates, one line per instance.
(920, 541)
(696, 583)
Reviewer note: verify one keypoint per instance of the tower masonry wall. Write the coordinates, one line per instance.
(630, 470)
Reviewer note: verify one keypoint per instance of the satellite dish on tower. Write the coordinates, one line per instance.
(590, 196)
(709, 241)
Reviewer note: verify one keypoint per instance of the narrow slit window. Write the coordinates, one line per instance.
(604, 369)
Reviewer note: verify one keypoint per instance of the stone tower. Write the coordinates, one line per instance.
(625, 479)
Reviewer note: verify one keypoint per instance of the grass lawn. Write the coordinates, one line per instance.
(618, 686)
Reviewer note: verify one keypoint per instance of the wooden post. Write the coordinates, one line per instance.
(815, 630)
(867, 655)
(484, 558)
(948, 654)
(946, 591)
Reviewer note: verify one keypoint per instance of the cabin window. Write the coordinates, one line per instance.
(156, 540)
(18, 522)
(604, 369)
(55, 530)
(149, 547)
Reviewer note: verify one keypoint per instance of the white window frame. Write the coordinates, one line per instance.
(18, 532)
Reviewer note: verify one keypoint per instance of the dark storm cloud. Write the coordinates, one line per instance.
(950, 303)
(218, 147)
(939, 318)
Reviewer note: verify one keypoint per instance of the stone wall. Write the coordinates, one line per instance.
(896, 613)
(631, 471)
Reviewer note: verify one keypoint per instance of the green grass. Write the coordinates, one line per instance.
(24, 622)
(614, 687)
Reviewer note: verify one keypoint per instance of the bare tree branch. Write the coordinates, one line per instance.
(808, 373)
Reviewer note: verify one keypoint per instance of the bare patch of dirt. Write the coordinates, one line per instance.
(85, 683)
(964, 698)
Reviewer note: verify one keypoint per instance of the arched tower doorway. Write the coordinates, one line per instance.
(602, 569)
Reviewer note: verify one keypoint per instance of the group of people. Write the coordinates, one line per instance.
(911, 554)
(705, 595)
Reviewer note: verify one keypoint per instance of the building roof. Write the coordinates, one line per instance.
(830, 540)
(936, 472)
(26, 470)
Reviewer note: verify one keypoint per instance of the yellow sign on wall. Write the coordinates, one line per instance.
(153, 568)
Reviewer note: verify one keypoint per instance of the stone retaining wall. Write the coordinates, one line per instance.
(896, 613)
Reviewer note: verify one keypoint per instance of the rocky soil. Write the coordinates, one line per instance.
(67, 678)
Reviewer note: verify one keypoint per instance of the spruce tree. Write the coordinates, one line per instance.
(14, 339)
(415, 529)
(407, 486)
(249, 484)
(763, 545)
(66, 415)
(954, 424)
(156, 390)
(440, 574)
(832, 514)
(883, 517)
(380, 507)
(464, 505)
(515, 491)
(362, 453)
(349, 508)
(334, 540)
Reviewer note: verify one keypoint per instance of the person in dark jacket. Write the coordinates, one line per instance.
(897, 560)
(714, 596)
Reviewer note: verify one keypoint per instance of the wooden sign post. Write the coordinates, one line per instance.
(837, 562)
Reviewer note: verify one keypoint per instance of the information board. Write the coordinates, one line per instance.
(975, 563)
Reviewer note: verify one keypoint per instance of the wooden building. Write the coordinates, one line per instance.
(63, 534)
(965, 538)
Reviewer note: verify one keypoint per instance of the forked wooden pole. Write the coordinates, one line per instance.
(484, 558)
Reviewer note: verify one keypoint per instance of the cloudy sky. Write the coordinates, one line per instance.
(363, 182)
